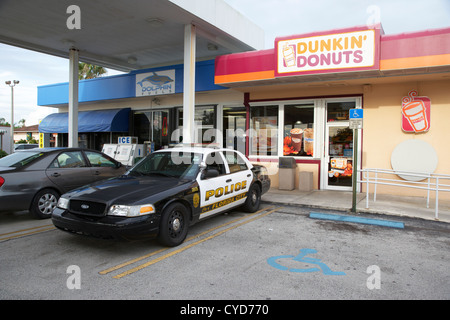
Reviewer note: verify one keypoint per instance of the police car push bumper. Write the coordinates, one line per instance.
(107, 227)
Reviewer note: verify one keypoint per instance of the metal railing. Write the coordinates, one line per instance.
(427, 181)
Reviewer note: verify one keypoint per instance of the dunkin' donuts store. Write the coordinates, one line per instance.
(290, 106)
(299, 96)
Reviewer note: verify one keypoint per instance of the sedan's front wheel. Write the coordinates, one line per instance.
(174, 225)
(43, 203)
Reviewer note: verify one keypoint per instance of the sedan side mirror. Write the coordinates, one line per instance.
(210, 173)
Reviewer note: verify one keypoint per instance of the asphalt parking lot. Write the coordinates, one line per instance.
(276, 253)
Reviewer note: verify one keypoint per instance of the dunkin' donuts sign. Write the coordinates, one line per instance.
(348, 50)
(416, 113)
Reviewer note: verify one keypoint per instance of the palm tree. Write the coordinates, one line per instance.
(89, 71)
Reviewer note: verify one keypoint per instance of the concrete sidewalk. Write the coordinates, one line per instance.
(414, 207)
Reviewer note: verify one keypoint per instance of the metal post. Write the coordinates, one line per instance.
(436, 209)
(367, 175)
(375, 186)
(355, 168)
(189, 83)
(73, 98)
(12, 84)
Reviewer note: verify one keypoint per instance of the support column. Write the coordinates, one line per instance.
(189, 83)
(73, 98)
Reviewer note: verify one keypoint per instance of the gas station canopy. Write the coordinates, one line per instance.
(127, 35)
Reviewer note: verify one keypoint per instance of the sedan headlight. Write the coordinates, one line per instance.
(131, 211)
(63, 203)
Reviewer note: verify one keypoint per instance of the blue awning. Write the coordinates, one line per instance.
(114, 120)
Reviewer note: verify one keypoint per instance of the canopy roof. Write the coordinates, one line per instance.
(127, 35)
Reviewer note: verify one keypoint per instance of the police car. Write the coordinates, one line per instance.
(163, 194)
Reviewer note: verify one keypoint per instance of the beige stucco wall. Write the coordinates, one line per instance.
(382, 127)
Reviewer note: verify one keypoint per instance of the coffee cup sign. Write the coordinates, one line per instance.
(415, 113)
(296, 136)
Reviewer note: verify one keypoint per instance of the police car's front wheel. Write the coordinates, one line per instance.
(174, 225)
(253, 198)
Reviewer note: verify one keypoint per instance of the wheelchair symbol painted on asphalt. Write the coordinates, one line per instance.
(301, 257)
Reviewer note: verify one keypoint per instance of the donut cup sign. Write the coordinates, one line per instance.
(416, 113)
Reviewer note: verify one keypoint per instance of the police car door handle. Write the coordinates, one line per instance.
(229, 180)
(56, 174)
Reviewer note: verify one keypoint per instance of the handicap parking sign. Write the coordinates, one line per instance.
(356, 113)
(356, 118)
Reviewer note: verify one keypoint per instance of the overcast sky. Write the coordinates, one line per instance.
(275, 17)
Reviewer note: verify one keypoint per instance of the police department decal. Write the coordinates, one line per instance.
(196, 200)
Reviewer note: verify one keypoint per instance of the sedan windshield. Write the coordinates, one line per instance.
(182, 165)
(19, 159)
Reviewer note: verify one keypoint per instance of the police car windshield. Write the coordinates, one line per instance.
(181, 165)
(19, 159)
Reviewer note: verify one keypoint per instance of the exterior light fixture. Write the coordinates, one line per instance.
(155, 22)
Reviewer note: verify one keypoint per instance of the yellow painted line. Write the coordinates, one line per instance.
(187, 240)
(18, 231)
(131, 261)
(170, 254)
(27, 233)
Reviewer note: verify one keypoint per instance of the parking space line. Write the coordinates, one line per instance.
(21, 233)
(170, 254)
(187, 240)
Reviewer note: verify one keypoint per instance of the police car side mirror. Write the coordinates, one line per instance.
(210, 173)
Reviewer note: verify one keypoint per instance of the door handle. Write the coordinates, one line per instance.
(56, 174)
(249, 175)
(229, 180)
(96, 173)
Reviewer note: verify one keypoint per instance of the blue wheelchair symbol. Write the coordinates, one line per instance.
(301, 257)
(356, 113)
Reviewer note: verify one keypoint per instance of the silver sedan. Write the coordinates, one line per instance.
(34, 179)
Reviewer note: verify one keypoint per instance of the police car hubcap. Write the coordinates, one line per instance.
(176, 225)
(254, 197)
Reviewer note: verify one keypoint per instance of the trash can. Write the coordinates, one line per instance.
(286, 173)
(305, 181)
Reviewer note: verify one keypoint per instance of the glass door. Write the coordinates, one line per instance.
(159, 130)
(339, 146)
(152, 126)
(234, 125)
(339, 150)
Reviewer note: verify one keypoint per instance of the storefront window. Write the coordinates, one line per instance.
(264, 130)
(204, 124)
(298, 130)
(339, 111)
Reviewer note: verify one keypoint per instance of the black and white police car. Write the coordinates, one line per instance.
(163, 194)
